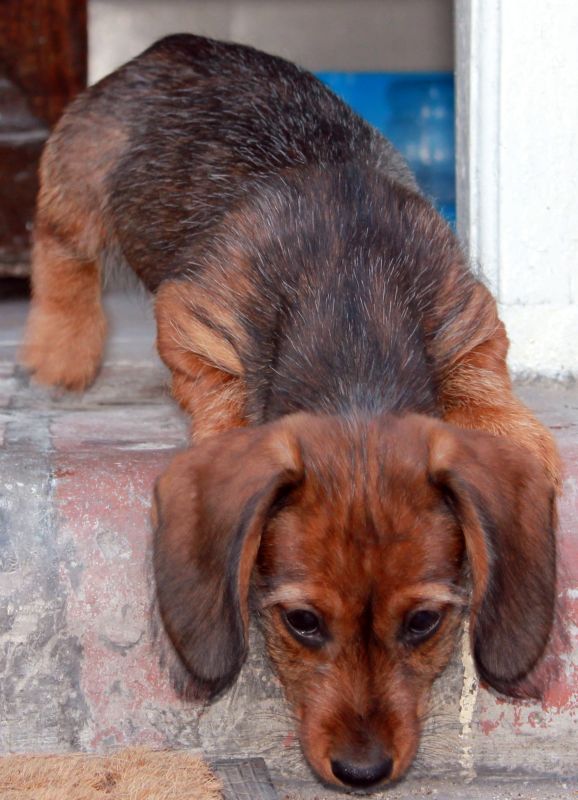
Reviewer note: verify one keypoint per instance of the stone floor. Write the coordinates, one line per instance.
(78, 668)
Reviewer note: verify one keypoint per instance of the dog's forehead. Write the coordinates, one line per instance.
(366, 514)
(340, 570)
(358, 537)
(372, 475)
(327, 536)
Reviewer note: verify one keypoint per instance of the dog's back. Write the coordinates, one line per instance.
(146, 163)
(201, 122)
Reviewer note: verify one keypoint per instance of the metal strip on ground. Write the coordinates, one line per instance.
(245, 779)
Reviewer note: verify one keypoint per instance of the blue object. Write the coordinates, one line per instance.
(416, 112)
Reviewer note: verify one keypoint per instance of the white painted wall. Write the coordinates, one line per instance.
(517, 117)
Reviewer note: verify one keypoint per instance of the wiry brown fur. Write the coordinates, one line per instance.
(363, 521)
(358, 450)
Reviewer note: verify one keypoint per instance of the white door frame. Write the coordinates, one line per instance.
(517, 169)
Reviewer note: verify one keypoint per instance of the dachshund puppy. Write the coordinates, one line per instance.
(361, 474)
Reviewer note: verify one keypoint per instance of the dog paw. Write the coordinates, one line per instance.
(63, 349)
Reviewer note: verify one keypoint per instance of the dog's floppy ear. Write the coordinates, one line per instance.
(505, 505)
(211, 507)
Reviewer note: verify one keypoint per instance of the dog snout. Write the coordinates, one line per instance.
(363, 773)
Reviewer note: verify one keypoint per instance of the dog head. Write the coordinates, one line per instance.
(362, 543)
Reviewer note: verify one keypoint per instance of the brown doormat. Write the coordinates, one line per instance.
(132, 774)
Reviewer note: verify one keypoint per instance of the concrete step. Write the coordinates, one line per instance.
(78, 668)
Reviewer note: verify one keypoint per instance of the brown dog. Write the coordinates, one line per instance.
(361, 471)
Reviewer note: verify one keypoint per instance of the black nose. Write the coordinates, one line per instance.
(362, 775)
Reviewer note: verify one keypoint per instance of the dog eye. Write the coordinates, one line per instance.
(305, 626)
(422, 624)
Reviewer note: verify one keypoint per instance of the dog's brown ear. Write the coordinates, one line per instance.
(505, 505)
(211, 507)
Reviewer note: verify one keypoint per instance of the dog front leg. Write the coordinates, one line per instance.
(212, 396)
